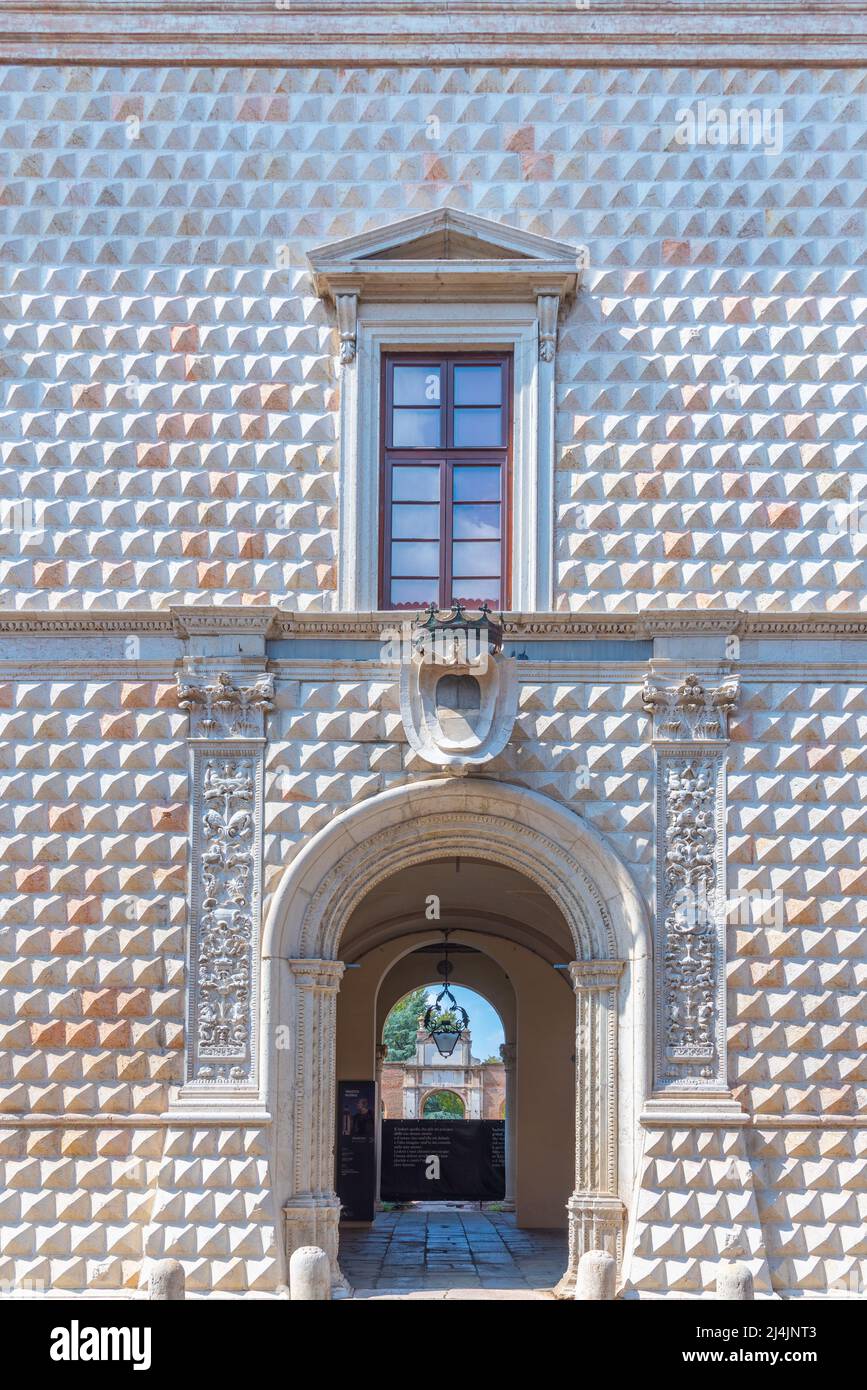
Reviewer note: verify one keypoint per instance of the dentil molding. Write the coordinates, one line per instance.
(182, 622)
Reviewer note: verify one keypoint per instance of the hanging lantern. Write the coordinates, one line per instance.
(445, 1020)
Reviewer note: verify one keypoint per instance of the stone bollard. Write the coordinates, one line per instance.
(597, 1276)
(309, 1274)
(166, 1280)
(734, 1281)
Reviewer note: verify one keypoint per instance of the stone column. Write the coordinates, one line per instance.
(381, 1054)
(596, 1213)
(508, 1052)
(312, 1213)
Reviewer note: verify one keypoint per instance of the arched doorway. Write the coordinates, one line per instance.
(443, 1105)
(507, 937)
(578, 878)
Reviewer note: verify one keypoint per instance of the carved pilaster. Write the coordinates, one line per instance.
(690, 734)
(226, 768)
(380, 1055)
(596, 1214)
(509, 1055)
(312, 1212)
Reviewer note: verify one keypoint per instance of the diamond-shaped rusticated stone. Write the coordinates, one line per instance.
(93, 896)
(171, 376)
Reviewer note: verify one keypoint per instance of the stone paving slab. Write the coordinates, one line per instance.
(456, 1253)
(453, 1295)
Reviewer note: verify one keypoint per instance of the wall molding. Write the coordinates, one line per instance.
(280, 622)
(448, 33)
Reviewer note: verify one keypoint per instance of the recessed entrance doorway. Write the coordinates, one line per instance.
(508, 945)
(548, 901)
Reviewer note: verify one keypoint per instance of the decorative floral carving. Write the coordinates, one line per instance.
(689, 950)
(226, 928)
(347, 325)
(224, 710)
(690, 931)
(227, 724)
(548, 306)
(688, 712)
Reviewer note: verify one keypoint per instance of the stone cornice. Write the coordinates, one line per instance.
(275, 622)
(297, 33)
(514, 265)
(216, 620)
(93, 622)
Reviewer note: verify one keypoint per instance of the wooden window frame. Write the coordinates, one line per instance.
(445, 457)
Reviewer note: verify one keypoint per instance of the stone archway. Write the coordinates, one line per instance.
(434, 1091)
(609, 927)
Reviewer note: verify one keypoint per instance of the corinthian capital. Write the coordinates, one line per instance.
(690, 712)
(220, 709)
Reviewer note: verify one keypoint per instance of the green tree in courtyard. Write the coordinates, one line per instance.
(401, 1026)
(443, 1105)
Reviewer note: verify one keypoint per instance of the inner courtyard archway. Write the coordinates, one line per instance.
(438, 1104)
(512, 945)
(584, 908)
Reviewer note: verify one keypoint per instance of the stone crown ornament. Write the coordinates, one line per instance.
(688, 712)
(458, 693)
(224, 710)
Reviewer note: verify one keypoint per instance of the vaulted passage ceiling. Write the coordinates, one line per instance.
(487, 899)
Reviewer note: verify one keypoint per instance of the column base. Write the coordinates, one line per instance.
(309, 1220)
(596, 1222)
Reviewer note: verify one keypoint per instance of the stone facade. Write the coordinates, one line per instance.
(480, 1086)
(171, 460)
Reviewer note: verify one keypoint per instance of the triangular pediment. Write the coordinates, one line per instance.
(446, 252)
(446, 244)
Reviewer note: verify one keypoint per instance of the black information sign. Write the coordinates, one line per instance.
(356, 1148)
(441, 1160)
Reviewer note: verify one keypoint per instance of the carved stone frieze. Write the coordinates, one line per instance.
(181, 622)
(223, 1025)
(690, 929)
(690, 731)
(227, 741)
(222, 984)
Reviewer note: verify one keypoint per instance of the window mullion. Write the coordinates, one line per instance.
(386, 532)
(446, 531)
